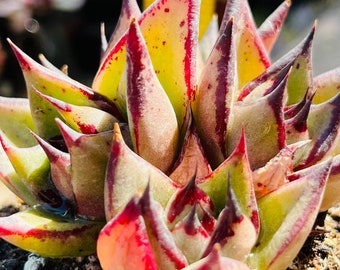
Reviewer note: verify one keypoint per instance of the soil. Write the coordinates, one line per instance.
(321, 250)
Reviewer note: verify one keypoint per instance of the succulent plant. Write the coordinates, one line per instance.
(190, 149)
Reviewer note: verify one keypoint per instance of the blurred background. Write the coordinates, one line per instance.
(68, 32)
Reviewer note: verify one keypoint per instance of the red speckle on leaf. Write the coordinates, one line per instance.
(182, 23)
(87, 129)
(167, 10)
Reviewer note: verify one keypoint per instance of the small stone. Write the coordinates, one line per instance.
(34, 262)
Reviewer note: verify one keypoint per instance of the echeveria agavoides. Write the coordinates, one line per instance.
(188, 141)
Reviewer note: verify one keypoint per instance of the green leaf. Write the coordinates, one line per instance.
(57, 85)
(127, 173)
(249, 47)
(214, 99)
(16, 121)
(232, 227)
(158, 25)
(84, 119)
(326, 85)
(236, 170)
(287, 216)
(32, 167)
(263, 130)
(323, 127)
(270, 29)
(152, 120)
(89, 155)
(50, 237)
(331, 197)
(12, 181)
(300, 79)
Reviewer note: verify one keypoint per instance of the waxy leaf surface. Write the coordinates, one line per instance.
(152, 120)
(270, 29)
(216, 90)
(283, 231)
(32, 167)
(16, 121)
(89, 155)
(38, 233)
(249, 47)
(235, 174)
(123, 243)
(127, 173)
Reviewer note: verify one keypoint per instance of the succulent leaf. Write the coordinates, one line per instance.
(216, 90)
(149, 107)
(207, 42)
(89, 154)
(84, 119)
(209, 10)
(43, 60)
(179, 79)
(264, 130)
(235, 174)
(331, 196)
(192, 160)
(190, 236)
(278, 210)
(128, 173)
(109, 74)
(296, 121)
(326, 85)
(215, 261)
(32, 167)
(249, 47)
(184, 200)
(12, 181)
(51, 237)
(273, 174)
(323, 127)
(60, 163)
(16, 121)
(233, 226)
(129, 10)
(139, 228)
(169, 29)
(167, 254)
(282, 66)
(301, 77)
(57, 85)
(123, 242)
(270, 29)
